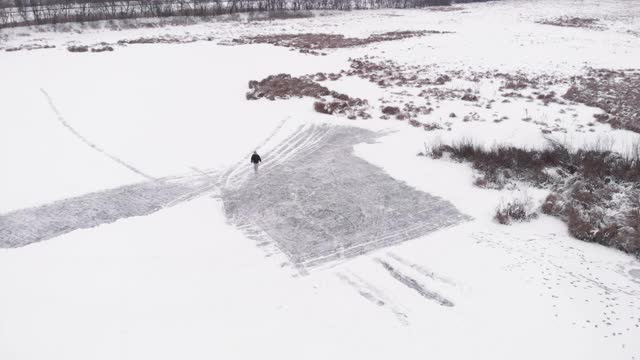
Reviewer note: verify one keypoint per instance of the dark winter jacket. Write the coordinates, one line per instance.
(255, 158)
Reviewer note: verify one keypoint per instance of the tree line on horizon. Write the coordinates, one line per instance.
(14, 13)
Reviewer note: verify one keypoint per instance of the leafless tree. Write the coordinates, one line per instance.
(35, 12)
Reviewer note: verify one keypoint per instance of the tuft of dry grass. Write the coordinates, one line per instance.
(519, 209)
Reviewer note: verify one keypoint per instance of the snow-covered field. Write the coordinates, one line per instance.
(120, 169)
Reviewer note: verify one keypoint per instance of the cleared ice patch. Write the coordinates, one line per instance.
(319, 202)
(26, 226)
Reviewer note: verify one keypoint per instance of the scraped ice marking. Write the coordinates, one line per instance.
(374, 295)
(321, 203)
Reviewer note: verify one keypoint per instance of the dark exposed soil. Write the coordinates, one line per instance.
(311, 43)
(615, 92)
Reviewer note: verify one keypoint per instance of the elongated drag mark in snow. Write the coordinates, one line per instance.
(373, 295)
(421, 269)
(89, 143)
(415, 285)
(363, 292)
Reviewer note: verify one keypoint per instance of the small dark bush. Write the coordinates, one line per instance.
(322, 107)
(469, 97)
(551, 205)
(391, 110)
(415, 123)
(102, 49)
(481, 182)
(81, 48)
(579, 225)
(518, 210)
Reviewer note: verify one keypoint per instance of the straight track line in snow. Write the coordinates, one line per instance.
(88, 142)
(372, 294)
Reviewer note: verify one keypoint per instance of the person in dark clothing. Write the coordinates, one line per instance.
(255, 160)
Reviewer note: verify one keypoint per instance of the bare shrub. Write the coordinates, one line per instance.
(434, 150)
(391, 110)
(519, 209)
(431, 127)
(102, 49)
(469, 97)
(481, 182)
(552, 205)
(78, 48)
(331, 107)
(595, 191)
(322, 107)
(632, 243)
(578, 224)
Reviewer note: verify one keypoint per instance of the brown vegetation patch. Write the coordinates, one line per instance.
(278, 15)
(78, 48)
(311, 43)
(442, 94)
(469, 97)
(574, 22)
(547, 98)
(512, 83)
(284, 86)
(161, 40)
(391, 110)
(410, 112)
(388, 73)
(615, 92)
(444, 8)
(29, 47)
(599, 211)
(596, 192)
(102, 48)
